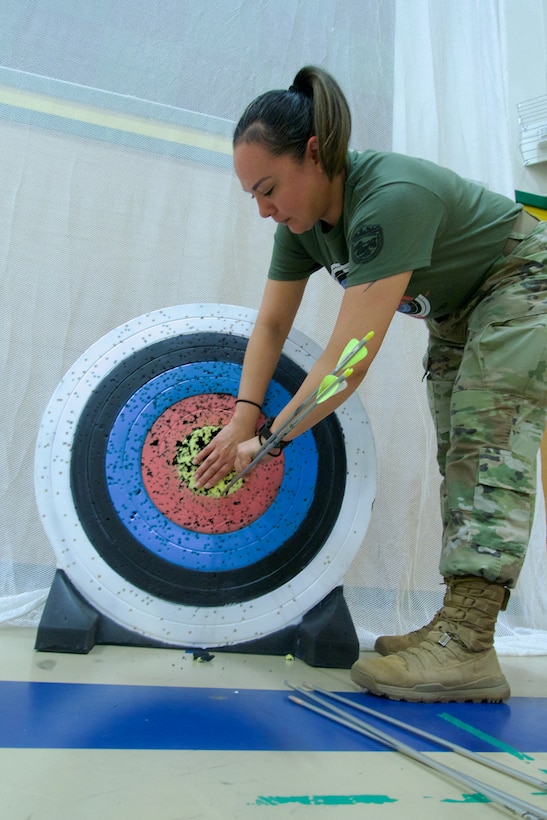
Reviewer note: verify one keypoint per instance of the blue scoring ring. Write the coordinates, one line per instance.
(202, 552)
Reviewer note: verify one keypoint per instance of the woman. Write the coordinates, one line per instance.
(402, 234)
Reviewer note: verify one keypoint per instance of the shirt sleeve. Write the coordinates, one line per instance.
(393, 231)
(290, 260)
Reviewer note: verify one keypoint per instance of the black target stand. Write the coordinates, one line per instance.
(325, 637)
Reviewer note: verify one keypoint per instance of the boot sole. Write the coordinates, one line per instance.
(489, 690)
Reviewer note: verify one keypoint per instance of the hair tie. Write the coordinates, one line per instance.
(248, 401)
(302, 91)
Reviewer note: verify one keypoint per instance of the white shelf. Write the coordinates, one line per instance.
(533, 130)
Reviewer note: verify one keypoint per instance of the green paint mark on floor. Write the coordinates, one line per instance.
(493, 741)
(469, 798)
(325, 800)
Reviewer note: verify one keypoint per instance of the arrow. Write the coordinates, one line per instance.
(331, 384)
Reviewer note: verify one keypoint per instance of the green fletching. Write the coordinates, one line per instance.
(326, 387)
(331, 385)
(347, 359)
(347, 350)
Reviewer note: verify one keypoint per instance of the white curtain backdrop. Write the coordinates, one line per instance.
(118, 198)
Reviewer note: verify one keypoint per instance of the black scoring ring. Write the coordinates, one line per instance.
(130, 558)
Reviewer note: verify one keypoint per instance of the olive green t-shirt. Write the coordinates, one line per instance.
(404, 214)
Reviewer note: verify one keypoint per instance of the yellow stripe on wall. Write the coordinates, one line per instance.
(144, 126)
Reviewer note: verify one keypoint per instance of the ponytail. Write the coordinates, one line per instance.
(283, 121)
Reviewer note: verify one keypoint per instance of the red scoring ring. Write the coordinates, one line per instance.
(196, 510)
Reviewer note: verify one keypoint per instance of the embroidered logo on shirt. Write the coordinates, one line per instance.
(367, 242)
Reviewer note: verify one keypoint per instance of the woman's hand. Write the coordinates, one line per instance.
(219, 456)
(245, 453)
(215, 458)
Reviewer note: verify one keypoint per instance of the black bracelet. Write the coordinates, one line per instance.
(247, 401)
(266, 433)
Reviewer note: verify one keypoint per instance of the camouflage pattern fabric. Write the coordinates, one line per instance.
(487, 388)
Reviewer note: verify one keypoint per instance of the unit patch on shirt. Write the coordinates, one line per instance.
(367, 242)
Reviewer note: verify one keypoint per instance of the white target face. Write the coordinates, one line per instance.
(182, 567)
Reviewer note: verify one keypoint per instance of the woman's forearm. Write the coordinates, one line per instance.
(259, 364)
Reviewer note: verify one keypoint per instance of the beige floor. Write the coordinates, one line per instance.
(114, 784)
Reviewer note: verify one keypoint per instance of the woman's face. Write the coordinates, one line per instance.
(295, 194)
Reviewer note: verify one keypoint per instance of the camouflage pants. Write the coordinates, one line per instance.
(487, 389)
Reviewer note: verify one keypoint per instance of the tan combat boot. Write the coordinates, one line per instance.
(456, 661)
(390, 644)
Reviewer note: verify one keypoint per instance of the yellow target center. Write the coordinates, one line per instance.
(188, 449)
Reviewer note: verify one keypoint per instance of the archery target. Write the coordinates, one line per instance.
(113, 480)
